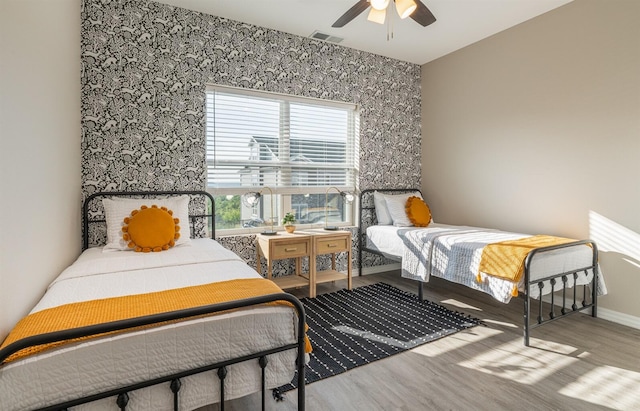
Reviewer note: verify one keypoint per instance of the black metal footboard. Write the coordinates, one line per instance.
(121, 396)
(587, 299)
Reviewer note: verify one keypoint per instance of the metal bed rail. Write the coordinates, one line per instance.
(121, 394)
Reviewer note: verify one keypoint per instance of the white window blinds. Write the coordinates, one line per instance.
(289, 143)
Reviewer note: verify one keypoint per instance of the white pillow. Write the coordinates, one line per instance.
(396, 205)
(116, 209)
(382, 213)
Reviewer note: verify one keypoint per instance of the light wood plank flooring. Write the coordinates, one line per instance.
(578, 363)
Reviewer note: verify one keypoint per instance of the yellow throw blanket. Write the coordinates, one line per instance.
(131, 306)
(505, 259)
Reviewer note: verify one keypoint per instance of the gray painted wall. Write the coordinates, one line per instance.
(538, 129)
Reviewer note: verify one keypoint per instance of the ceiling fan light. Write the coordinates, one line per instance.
(377, 16)
(379, 4)
(405, 8)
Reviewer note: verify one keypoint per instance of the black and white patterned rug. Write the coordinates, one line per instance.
(352, 328)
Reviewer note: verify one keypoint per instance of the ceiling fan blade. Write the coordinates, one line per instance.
(352, 13)
(422, 14)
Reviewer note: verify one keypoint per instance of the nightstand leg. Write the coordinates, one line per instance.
(258, 268)
(312, 276)
(349, 269)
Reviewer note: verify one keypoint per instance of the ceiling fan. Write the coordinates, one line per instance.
(405, 8)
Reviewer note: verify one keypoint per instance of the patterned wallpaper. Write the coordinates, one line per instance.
(145, 66)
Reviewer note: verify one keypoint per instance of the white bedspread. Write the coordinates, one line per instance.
(454, 253)
(99, 364)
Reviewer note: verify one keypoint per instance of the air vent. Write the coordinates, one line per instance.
(325, 37)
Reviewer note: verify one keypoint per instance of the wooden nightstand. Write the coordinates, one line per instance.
(329, 242)
(283, 246)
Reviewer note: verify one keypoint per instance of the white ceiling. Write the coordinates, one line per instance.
(459, 22)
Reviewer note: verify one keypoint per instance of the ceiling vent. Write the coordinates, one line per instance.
(325, 37)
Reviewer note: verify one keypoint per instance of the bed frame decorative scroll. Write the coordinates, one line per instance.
(572, 299)
(173, 381)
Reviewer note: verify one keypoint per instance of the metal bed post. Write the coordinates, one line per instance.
(175, 388)
(594, 287)
(527, 302)
(360, 243)
(263, 361)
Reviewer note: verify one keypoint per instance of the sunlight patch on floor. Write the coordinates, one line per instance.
(459, 304)
(608, 386)
(390, 340)
(500, 323)
(515, 362)
(453, 342)
(555, 347)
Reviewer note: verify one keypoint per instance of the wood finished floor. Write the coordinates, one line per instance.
(578, 363)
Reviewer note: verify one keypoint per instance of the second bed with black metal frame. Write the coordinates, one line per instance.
(573, 303)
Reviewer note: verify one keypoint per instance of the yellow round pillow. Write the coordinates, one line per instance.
(418, 212)
(151, 229)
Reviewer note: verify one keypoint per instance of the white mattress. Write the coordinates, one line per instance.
(99, 364)
(387, 239)
(454, 253)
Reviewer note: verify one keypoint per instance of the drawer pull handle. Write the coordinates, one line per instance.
(290, 249)
(331, 245)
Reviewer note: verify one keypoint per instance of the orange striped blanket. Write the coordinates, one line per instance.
(93, 312)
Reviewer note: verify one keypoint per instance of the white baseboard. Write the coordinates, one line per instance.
(379, 269)
(619, 318)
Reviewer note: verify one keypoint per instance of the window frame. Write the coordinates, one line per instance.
(283, 194)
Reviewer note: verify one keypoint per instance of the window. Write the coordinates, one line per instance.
(295, 147)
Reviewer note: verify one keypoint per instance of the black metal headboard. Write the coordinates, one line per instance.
(206, 215)
(367, 216)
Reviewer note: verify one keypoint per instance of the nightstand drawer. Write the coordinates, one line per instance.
(289, 250)
(331, 245)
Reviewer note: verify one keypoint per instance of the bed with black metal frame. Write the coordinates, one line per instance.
(173, 380)
(571, 301)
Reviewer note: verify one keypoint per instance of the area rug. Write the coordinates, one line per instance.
(348, 329)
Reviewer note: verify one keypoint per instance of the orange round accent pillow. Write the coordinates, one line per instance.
(151, 229)
(418, 212)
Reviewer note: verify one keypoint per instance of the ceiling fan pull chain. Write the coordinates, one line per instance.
(391, 23)
(391, 28)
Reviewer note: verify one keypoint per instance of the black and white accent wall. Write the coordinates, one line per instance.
(145, 66)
